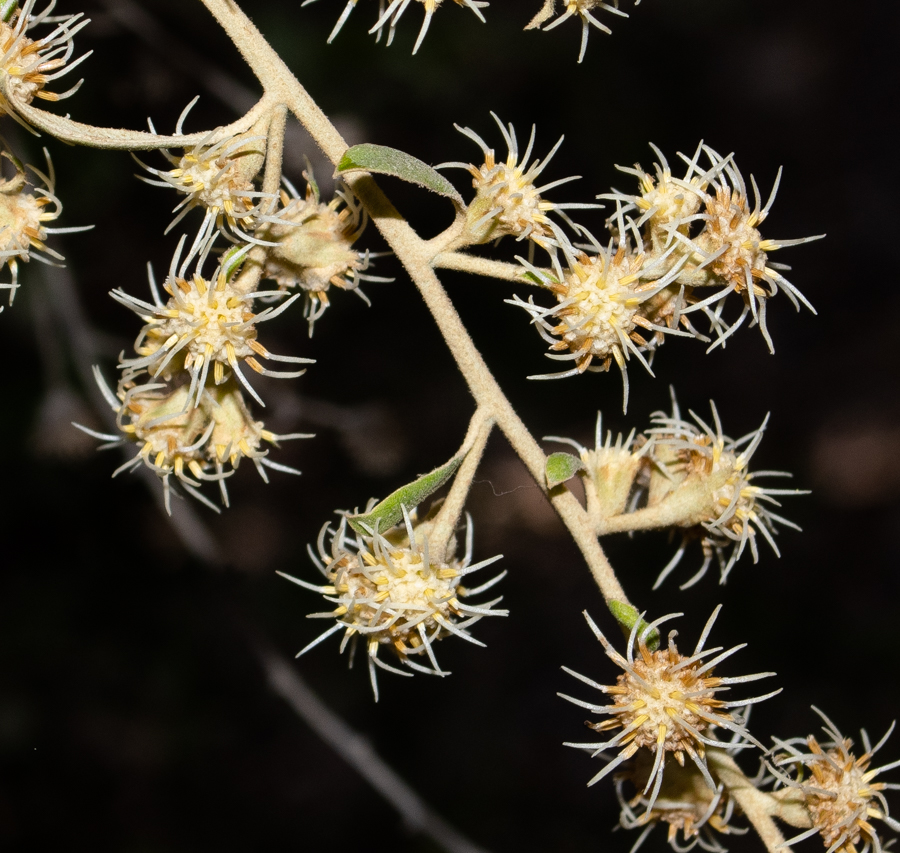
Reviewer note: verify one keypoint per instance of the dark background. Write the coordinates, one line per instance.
(134, 715)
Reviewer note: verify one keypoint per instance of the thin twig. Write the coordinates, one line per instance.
(481, 266)
(447, 519)
(360, 755)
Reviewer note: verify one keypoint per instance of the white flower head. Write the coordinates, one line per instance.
(839, 789)
(204, 323)
(391, 594)
(703, 476)
(27, 65)
(507, 200)
(666, 702)
(310, 245)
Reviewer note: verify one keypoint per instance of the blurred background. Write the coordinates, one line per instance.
(134, 712)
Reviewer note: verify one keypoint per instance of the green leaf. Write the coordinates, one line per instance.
(389, 161)
(388, 513)
(561, 467)
(7, 8)
(626, 616)
(232, 260)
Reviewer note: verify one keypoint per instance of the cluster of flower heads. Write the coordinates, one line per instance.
(686, 476)
(180, 401)
(308, 243)
(669, 245)
(837, 788)
(389, 591)
(666, 712)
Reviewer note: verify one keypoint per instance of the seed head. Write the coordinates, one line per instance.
(389, 592)
(839, 791)
(666, 702)
(28, 65)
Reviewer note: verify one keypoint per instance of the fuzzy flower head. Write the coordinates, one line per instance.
(838, 788)
(310, 246)
(599, 310)
(205, 322)
(24, 213)
(665, 702)
(507, 202)
(217, 176)
(693, 813)
(665, 203)
(192, 443)
(732, 248)
(27, 65)
(701, 482)
(392, 594)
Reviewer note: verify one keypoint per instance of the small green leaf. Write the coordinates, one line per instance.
(626, 616)
(7, 8)
(388, 513)
(561, 467)
(389, 161)
(232, 260)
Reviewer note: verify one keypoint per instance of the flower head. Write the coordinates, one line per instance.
(388, 591)
(310, 246)
(24, 216)
(205, 322)
(390, 17)
(28, 65)
(601, 301)
(701, 481)
(507, 202)
(665, 702)
(192, 443)
(693, 813)
(217, 176)
(612, 470)
(838, 788)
